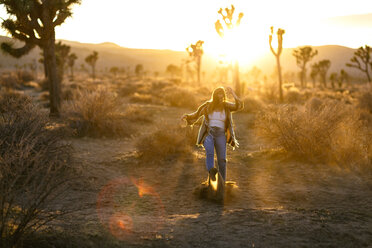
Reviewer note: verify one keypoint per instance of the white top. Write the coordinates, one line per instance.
(217, 119)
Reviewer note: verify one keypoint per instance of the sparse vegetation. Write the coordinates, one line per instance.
(34, 169)
(319, 132)
(167, 142)
(98, 114)
(34, 33)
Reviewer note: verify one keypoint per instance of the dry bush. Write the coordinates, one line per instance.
(141, 98)
(25, 76)
(98, 114)
(270, 92)
(14, 102)
(321, 131)
(294, 96)
(136, 114)
(34, 169)
(128, 89)
(252, 105)
(167, 142)
(10, 81)
(365, 101)
(179, 97)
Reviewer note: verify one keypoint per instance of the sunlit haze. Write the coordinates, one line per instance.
(170, 24)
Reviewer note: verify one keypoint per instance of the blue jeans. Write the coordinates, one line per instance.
(216, 140)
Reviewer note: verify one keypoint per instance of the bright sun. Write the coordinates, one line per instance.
(238, 45)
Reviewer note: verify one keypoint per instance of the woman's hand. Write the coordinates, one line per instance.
(184, 117)
(229, 90)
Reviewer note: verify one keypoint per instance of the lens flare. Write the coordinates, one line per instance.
(127, 206)
(120, 226)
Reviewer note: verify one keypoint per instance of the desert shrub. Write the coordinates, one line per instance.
(179, 97)
(326, 132)
(98, 114)
(9, 81)
(365, 101)
(136, 114)
(252, 105)
(270, 92)
(25, 76)
(141, 98)
(34, 169)
(157, 86)
(293, 96)
(128, 88)
(14, 102)
(167, 142)
(68, 94)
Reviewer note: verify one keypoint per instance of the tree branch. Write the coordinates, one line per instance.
(16, 52)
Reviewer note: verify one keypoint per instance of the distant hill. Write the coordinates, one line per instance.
(111, 54)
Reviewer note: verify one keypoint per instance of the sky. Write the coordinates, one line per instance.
(175, 24)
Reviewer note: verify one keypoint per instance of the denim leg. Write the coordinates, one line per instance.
(209, 151)
(220, 144)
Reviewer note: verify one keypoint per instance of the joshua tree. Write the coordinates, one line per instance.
(139, 70)
(323, 67)
(196, 53)
(279, 33)
(92, 61)
(334, 78)
(114, 70)
(314, 73)
(71, 62)
(344, 76)
(34, 22)
(362, 60)
(227, 18)
(303, 55)
(62, 52)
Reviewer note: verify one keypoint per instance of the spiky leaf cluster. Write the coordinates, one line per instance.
(279, 33)
(362, 60)
(304, 54)
(196, 50)
(227, 17)
(33, 21)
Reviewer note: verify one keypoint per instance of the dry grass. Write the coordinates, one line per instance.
(252, 105)
(136, 114)
(98, 114)
(180, 97)
(9, 81)
(321, 131)
(365, 101)
(167, 142)
(34, 169)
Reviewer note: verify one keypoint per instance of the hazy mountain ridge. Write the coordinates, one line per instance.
(111, 54)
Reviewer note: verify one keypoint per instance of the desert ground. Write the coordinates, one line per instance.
(125, 198)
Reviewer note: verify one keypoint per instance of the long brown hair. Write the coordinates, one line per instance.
(214, 102)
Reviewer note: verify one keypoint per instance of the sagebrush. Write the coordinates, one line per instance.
(319, 132)
(34, 169)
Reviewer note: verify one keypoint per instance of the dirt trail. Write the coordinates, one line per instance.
(278, 203)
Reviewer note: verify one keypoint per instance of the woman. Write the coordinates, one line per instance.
(217, 128)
